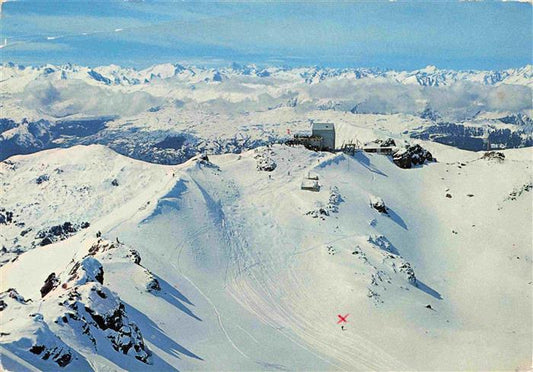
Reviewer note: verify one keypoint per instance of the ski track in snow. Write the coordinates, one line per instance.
(287, 319)
(179, 249)
(237, 265)
(219, 317)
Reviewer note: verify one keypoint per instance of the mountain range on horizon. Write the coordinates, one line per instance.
(427, 76)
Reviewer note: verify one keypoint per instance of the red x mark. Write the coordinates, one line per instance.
(342, 319)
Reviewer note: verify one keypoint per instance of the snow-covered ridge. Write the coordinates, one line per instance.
(116, 75)
(36, 218)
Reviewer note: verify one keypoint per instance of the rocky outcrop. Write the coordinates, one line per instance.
(42, 178)
(38, 339)
(410, 156)
(382, 264)
(134, 256)
(381, 242)
(389, 142)
(78, 302)
(264, 160)
(88, 270)
(405, 268)
(101, 246)
(51, 282)
(152, 284)
(97, 309)
(334, 200)
(59, 232)
(378, 204)
(322, 210)
(114, 251)
(6, 217)
(13, 295)
(318, 212)
(517, 192)
(60, 355)
(494, 156)
(100, 310)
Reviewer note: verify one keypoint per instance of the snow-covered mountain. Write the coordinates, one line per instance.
(116, 75)
(172, 112)
(216, 264)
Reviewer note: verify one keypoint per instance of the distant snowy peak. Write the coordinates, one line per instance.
(431, 76)
(116, 75)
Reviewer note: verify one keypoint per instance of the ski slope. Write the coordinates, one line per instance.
(253, 271)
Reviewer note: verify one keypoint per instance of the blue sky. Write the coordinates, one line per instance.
(397, 35)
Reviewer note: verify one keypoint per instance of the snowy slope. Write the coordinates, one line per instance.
(76, 185)
(252, 271)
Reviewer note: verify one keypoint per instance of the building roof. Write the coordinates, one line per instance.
(310, 185)
(323, 126)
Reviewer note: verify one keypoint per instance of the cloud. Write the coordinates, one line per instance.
(68, 97)
(458, 101)
(30, 46)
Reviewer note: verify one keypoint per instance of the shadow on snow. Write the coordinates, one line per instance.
(387, 245)
(155, 335)
(427, 289)
(174, 297)
(362, 159)
(396, 218)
